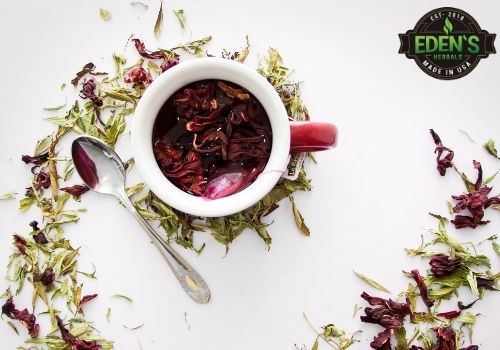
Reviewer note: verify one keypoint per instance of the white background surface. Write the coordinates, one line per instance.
(371, 195)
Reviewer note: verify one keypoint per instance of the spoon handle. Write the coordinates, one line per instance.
(192, 283)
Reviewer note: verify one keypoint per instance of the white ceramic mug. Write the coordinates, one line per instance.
(306, 136)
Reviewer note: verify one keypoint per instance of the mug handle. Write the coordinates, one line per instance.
(312, 136)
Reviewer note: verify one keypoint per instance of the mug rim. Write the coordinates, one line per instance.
(179, 76)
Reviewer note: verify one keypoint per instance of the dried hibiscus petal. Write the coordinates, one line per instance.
(141, 49)
(42, 180)
(76, 190)
(475, 202)
(138, 75)
(422, 287)
(46, 277)
(446, 339)
(27, 319)
(449, 315)
(20, 244)
(442, 265)
(389, 314)
(446, 161)
(169, 63)
(85, 299)
(76, 344)
(35, 160)
(382, 341)
(89, 91)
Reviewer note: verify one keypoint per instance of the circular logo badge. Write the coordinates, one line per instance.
(447, 43)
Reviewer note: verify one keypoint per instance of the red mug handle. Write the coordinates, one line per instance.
(312, 136)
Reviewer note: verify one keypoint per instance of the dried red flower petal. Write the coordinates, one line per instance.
(20, 244)
(89, 91)
(27, 319)
(76, 344)
(442, 265)
(138, 75)
(76, 190)
(389, 314)
(488, 283)
(475, 202)
(422, 287)
(29, 192)
(85, 299)
(445, 162)
(382, 341)
(446, 339)
(141, 49)
(42, 180)
(450, 315)
(169, 63)
(35, 160)
(46, 277)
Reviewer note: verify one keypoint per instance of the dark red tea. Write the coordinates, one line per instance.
(212, 138)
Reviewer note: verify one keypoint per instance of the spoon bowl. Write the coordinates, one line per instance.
(103, 171)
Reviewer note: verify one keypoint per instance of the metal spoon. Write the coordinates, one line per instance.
(103, 171)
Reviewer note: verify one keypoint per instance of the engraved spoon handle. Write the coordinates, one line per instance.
(192, 283)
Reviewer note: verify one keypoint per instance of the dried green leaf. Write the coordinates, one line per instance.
(133, 328)
(154, 67)
(105, 14)
(139, 4)
(243, 54)
(490, 179)
(450, 207)
(471, 279)
(63, 86)
(11, 325)
(119, 61)
(124, 297)
(43, 145)
(356, 309)
(372, 282)
(496, 247)
(489, 146)
(56, 108)
(315, 345)
(26, 203)
(108, 315)
(8, 195)
(469, 185)
(272, 68)
(180, 17)
(130, 191)
(159, 22)
(299, 220)
(400, 334)
(194, 47)
(466, 134)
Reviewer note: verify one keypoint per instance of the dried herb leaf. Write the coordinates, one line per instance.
(496, 247)
(105, 14)
(124, 297)
(8, 195)
(108, 315)
(490, 179)
(159, 22)
(56, 108)
(13, 327)
(243, 54)
(139, 4)
(466, 134)
(133, 328)
(130, 191)
(154, 67)
(372, 282)
(180, 17)
(489, 146)
(119, 61)
(299, 220)
(194, 47)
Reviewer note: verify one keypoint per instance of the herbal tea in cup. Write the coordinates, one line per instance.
(211, 137)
